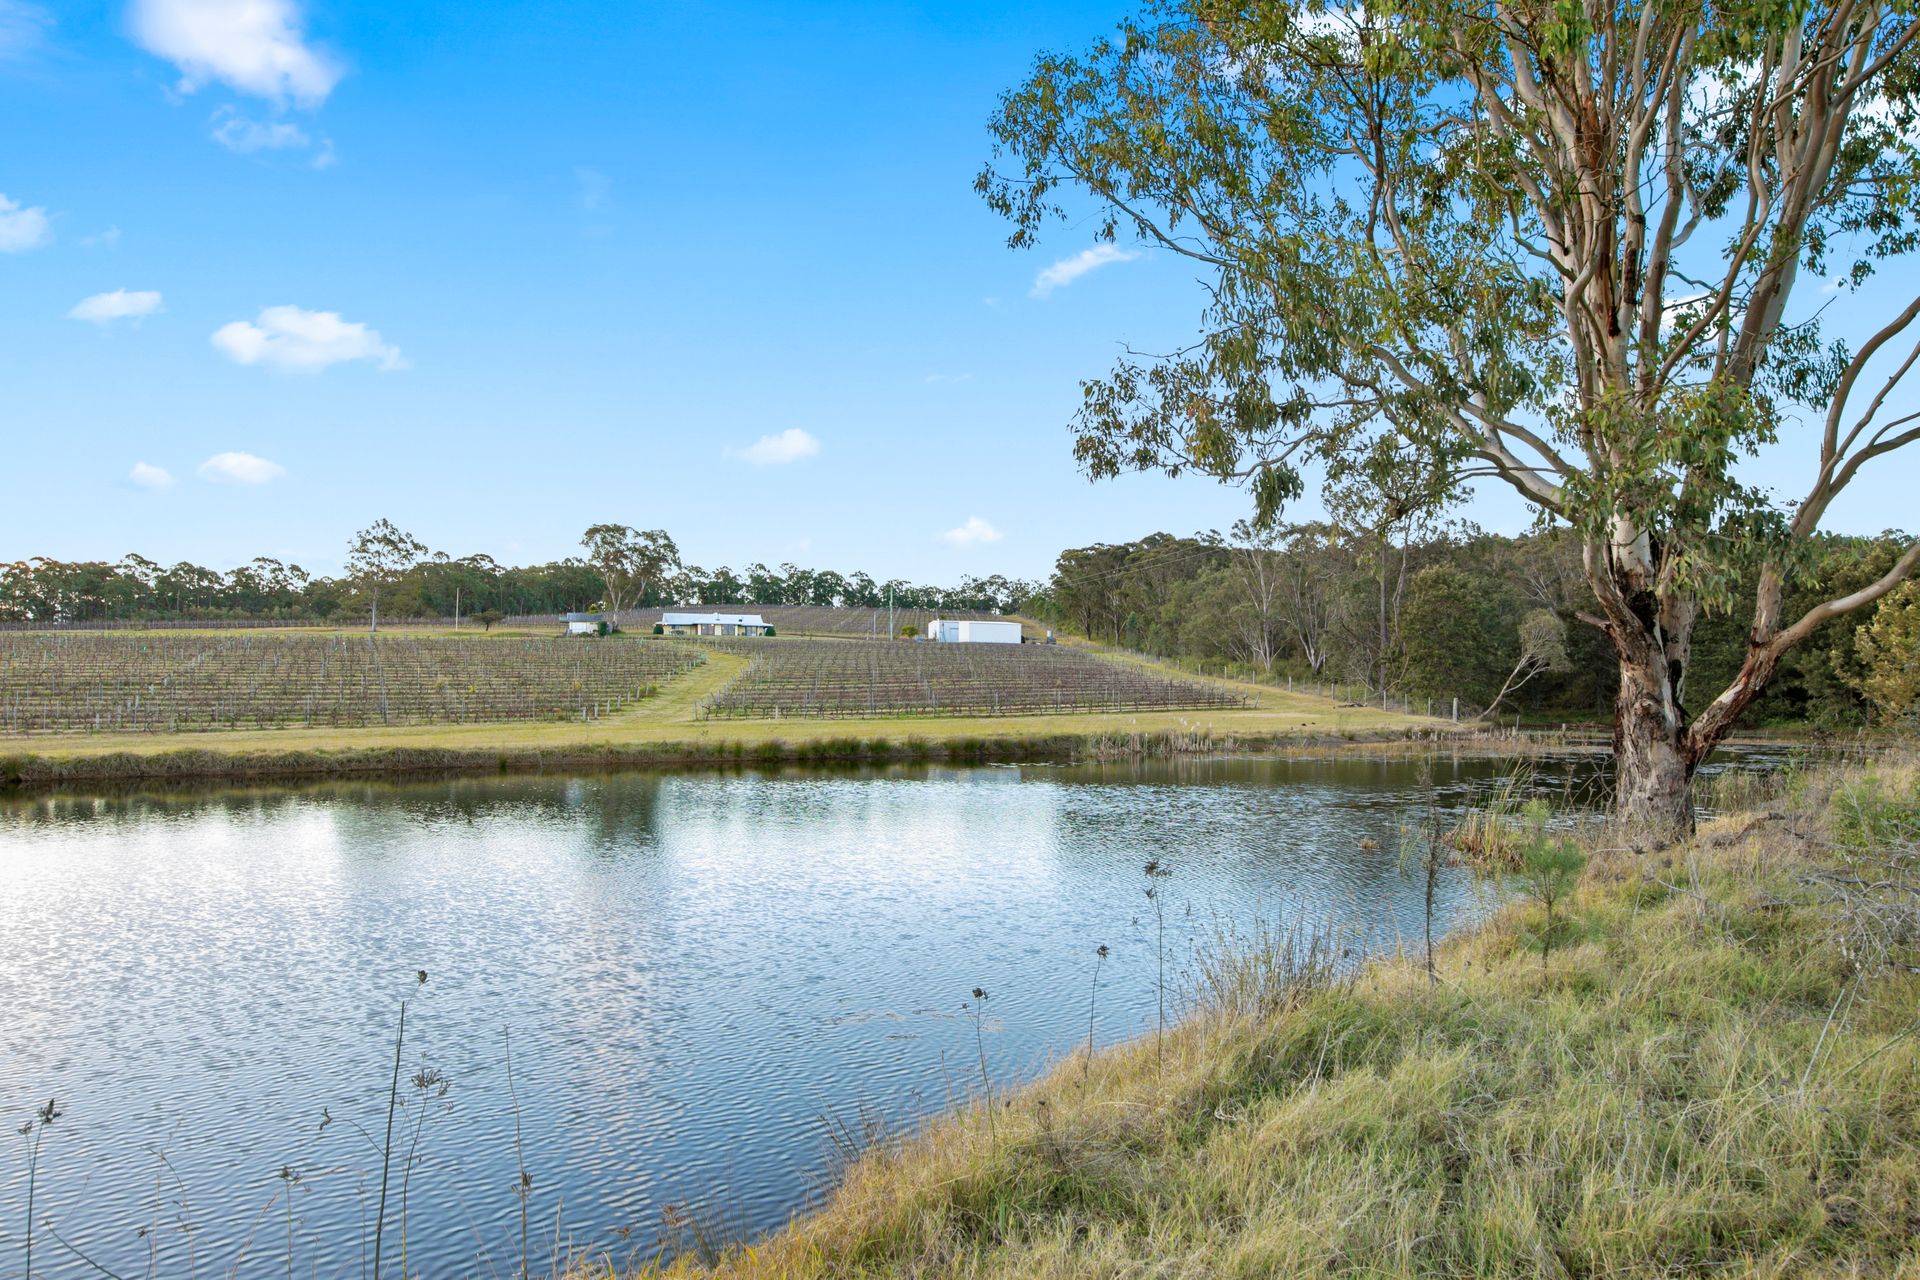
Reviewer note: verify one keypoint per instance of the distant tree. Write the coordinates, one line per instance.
(1543, 647)
(827, 589)
(1551, 244)
(377, 557)
(724, 587)
(1313, 592)
(1454, 639)
(764, 586)
(1260, 572)
(489, 618)
(796, 584)
(629, 562)
(862, 592)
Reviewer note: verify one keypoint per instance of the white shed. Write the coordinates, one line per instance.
(973, 631)
(582, 624)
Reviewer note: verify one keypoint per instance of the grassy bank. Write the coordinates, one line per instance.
(1715, 1073)
(823, 743)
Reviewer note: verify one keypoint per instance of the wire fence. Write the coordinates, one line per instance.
(1342, 693)
(224, 624)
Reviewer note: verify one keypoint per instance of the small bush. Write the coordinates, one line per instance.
(1550, 867)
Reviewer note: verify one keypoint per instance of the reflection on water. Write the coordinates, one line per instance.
(694, 969)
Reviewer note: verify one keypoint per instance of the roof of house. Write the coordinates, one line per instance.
(582, 617)
(712, 619)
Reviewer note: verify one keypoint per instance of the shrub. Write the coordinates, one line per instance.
(1550, 866)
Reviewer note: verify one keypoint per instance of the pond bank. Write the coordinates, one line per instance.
(1714, 1072)
(169, 763)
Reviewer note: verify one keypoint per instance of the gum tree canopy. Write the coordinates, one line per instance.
(1553, 243)
(629, 562)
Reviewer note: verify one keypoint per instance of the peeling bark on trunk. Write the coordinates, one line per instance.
(1653, 750)
(1653, 771)
(1653, 766)
(1656, 750)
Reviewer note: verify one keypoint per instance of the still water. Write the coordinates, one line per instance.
(689, 973)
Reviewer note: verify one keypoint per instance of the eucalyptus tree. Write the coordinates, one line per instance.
(1557, 244)
(629, 562)
(377, 558)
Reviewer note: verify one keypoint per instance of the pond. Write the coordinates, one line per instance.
(691, 976)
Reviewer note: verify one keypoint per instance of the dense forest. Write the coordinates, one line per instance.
(1461, 613)
(135, 589)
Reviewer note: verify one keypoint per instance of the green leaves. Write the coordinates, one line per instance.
(1456, 224)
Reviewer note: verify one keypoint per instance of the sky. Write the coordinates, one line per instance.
(270, 270)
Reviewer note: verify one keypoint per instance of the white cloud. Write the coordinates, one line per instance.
(22, 27)
(117, 305)
(22, 229)
(256, 46)
(238, 134)
(972, 533)
(148, 476)
(240, 468)
(297, 340)
(243, 135)
(790, 445)
(1067, 270)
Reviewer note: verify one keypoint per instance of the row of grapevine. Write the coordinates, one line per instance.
(865, 678)
(163, 682)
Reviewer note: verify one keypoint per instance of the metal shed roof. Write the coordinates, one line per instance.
(712, 619)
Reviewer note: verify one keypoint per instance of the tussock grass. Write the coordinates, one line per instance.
(1708, 1080)
(1491, 835)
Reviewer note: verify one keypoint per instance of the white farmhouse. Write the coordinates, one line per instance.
(714, 624)
(972, 631)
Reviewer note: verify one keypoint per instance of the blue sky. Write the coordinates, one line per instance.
(501, 271)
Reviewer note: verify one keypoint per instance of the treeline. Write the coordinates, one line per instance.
(435, 586)
(1463, 613)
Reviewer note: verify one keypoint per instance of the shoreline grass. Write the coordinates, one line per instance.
(28, 771)
(1716, 1072)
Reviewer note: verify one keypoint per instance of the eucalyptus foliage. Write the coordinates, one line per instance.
(1549, 243)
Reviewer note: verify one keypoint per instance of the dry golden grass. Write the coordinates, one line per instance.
(1702, 1083)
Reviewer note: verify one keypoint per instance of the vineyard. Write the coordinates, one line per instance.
(881, 677)
(163, 683)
